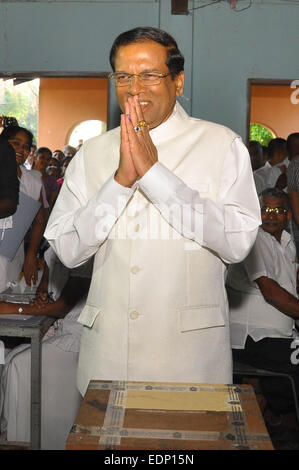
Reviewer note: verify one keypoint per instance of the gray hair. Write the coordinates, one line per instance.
(69, 148)
(275, 193)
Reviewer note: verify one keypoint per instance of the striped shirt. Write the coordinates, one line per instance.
(293, 174)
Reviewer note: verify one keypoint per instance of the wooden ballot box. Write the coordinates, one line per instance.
(168, 416)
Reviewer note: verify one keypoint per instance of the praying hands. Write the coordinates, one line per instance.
(137, 151)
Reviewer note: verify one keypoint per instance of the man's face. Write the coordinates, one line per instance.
(294, 149)
(283, 153)
(157, 101)
(272, 222)
(280, 155)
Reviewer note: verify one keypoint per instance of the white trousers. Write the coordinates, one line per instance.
(60, 397)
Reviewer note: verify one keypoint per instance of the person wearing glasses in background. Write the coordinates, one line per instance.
(164, 202)
(264, 304)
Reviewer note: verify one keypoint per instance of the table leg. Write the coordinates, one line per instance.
(35, 429)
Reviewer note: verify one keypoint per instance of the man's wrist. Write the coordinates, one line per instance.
(123, 181)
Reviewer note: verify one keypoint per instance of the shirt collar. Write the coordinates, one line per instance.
(170, 127)
(285, 237)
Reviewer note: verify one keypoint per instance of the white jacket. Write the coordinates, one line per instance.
(157, 307)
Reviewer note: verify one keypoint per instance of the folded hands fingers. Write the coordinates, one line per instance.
(144, 153)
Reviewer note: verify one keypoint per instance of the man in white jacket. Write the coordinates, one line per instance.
(164, 202)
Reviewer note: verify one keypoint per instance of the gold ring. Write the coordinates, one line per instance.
(140, 125)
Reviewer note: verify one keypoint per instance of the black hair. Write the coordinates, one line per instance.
(255, 143)
(274, 145)
(175, 59)
(275, 193)
(42, 150)
(57, 162)
(293, 139)
(68, 157)
(10, 132)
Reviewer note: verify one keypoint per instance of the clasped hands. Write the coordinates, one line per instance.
(137, 151)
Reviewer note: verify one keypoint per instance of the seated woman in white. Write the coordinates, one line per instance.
(60, 349)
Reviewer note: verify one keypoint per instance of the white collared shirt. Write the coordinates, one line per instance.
(250, 314)
(260, 177)
(267, 175)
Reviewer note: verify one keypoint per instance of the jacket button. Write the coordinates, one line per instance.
(134, 315)
(135, 269)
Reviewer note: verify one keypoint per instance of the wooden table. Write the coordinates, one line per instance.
(33, 327)
(168, 416)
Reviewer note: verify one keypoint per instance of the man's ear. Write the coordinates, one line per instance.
(180, 79)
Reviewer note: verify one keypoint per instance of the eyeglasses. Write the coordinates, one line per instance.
(277, 210)
(146, 78)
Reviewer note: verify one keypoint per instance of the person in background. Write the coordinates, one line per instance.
(263, 302)
(42, 159)
(278, 158)
(293, 183)
(61, 294)
(54, 168)
(157, 306)
(277, 152)
(273, 173)
(256, 155)
(30, 184)
(59, 155)
(65, 164)
(30, 159)
(69, 151)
